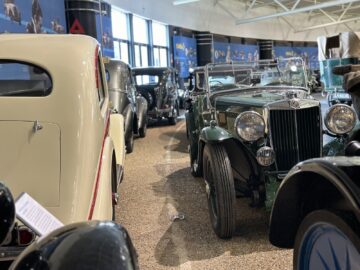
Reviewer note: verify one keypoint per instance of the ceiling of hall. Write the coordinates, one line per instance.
(300, 15)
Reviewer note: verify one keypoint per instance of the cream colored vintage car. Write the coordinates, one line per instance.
(58, 140)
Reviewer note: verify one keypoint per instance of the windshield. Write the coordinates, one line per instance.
(285, 72)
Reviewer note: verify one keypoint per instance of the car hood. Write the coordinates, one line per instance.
(249, 99)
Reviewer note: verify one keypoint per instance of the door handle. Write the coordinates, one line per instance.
(37, 126)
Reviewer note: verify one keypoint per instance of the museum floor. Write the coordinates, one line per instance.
(158, 186)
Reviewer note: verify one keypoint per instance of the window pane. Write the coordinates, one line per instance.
(116, 50)
(140, 30)
(119, 24)
(163, 58)
(21, 79)
(159, 34)
(144, 56)
(156, 57)
(137, 56)
(124, 52)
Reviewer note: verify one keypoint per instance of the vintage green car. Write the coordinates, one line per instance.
(248, 125)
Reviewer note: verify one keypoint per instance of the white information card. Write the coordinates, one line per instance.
(35, 216)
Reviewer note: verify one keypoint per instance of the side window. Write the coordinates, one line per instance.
(100, 81)
(23, 80)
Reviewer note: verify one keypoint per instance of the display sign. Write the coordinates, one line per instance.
(35, 216)
(185, 54)
(308, 54)
(36, 16)
(228, 52)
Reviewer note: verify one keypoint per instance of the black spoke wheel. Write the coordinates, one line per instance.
(220, 190)
(327, 240)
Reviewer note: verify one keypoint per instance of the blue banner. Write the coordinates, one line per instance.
(227, 52)
(36, 16)
(105, 37)
(308, 54)
(185, 54)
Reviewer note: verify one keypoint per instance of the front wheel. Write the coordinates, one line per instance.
(327, 240)
(220, 190)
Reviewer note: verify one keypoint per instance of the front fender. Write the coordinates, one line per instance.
(214, 134)
(103, 188)
(141, 111)
(116, 131)
(323, 183)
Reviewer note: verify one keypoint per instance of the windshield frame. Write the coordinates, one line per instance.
(250, 66)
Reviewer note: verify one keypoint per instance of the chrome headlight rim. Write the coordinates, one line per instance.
(329, 114)
(238, 119)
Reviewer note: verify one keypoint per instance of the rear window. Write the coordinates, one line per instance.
(25, 80)
(147, 79)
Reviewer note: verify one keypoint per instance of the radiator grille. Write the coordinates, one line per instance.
(295, 136)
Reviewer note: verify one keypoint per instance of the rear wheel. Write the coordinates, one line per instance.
(114, 188)
(220, 190)
(130, 143)
(327, 240)
(172, 120)
(142, 130)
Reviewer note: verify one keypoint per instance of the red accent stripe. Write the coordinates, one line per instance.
(97, 67)
(99, 168)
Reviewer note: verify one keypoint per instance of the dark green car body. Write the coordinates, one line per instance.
(293, 130)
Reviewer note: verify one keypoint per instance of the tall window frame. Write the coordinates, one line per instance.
(160, 41)
(141, 41)
(121, 34)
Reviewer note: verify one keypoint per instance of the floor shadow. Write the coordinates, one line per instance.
(193, 239)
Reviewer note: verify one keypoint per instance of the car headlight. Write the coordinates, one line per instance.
(265, 156)
(250, 126)
(340, 119)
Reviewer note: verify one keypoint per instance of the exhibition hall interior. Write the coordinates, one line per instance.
(180, 134)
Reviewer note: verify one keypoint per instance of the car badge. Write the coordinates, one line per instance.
(294, 104)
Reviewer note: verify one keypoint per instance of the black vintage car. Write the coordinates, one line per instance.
(317, 207)
(82, 245)
(126, 100)
(158, 85)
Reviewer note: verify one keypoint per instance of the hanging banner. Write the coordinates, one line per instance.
(185, 54)
(308, 54)
(105, 36)
(36, 16)
(227, 52)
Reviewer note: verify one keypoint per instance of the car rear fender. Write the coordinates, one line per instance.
(141, 111)
(129, 118)
(102, 198)
(311, 185)
(116, 132)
